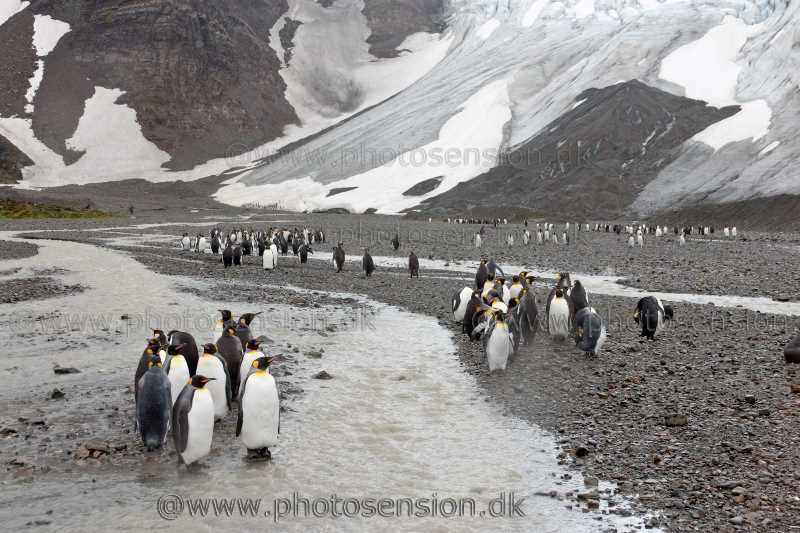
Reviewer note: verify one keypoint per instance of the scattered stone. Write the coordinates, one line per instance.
(301, 302)
(322, 375)
(315, 354)
(675, 420)
(65, 370)
(56, 394)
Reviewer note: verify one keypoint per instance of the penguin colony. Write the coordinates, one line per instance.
(503, 314)
(179, 389)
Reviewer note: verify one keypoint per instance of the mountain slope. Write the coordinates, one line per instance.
(595, 159)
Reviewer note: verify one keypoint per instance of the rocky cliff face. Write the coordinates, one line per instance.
(596, 158)
(391, 21)
(200, 75)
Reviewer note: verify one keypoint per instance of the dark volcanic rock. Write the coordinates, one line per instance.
(201, 76)
(391, 21)
(600, 155)
(339, 190)
(19, 63)
(11, 162)
(792, 351)
(424, 187)
(287, 38)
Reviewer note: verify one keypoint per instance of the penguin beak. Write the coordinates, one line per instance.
(272, 359)
(206, 380)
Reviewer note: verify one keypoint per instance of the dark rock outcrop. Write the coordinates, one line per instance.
(391, 21)
(11, 162)
(595, 158)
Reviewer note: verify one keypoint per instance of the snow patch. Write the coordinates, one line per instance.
(468, 145)
(584, 8)
(9, 8)
(47, 31)
(767, 149)
(707, 69)
(34, 82)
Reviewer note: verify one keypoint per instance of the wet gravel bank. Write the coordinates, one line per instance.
(700, 424)
(24, 289)
(17, 250)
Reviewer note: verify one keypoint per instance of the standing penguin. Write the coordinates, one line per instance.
(153, 405)
(396, 242)
(186, 242)
(631, 241)
(303, 252)
(186, 346)
(150, 350)
(459, 303)
(474, 303)
(578, 297)
(259, 420)
(367, 264)
(682, 240)
(212, 365)
(558, 315)
(243, 327)
(225, 322)
(251, 353)
(590, 332)
(227, 256)
(516, 287)
(177, 371)
(413, 265)
(481, 275)
(528, 315)
(193, 421)
(651, 314)
(338, 257)
(477, 240)
(237, 256)
(215, 244)
(497, 342)
(230, 348)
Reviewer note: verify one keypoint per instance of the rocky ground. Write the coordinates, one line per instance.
(699, 425)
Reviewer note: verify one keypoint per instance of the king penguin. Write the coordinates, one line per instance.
(459, 303)
(227, 256)
(188, 348)
(153, 405)
(230, 348)
(413, 265)
(590, 332)
(651, 314)
(178, 373)
(251, 353)
(338, 258)
(367, 264)
(212, 365)
(481, 275)
(558, 315)
(150, 350)
(259, 420)
(193, 421)
(243, 327)
(497, 342)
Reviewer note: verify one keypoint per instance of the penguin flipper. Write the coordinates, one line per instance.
(239, 418)
(227, 378)
(180, 418)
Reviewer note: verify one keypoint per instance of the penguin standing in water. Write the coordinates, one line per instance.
(413, 265)
(558, 315)
(251, 353)
(230, 348)
(243, 327)
(460, 302)
(237, 256)
(259, 420)
(651, 314)
(590, 332)
(177, 370)
(212, 365)
(497, 342)
(481, 275)
(227, 255)
(338, 257)
(186, 346)
(152, 348)
(367, 264)
(193, 421)
(153, 405)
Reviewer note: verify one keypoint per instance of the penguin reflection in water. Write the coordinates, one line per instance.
(153, 405)
(259, 420)
(193, 421)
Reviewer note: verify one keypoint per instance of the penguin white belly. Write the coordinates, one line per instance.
(558, 319)
(487, 286)
(162, 354)
(247, 362)
(267, 259)
(185, 243)
(463, 301)
(218, 329)
(211, 367)
(260, 412)
(506, 295)
(498, 347)
(514, 291)
(178, 376)
(201, 427)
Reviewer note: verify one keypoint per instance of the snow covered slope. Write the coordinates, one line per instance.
(386, 133)
(545, 54)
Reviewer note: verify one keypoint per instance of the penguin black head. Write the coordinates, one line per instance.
(559, 293)
(153, 346)
(513, 303)
(174, 349)
(226, 315)
(155, 360)
(500, 281)
(668, 313)
(523, 274)
(159, 336)
(530, 279)
(210, 348)
(247, 318)
(263, 362)
(252, 344)
(199, 381)
(515, 279)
